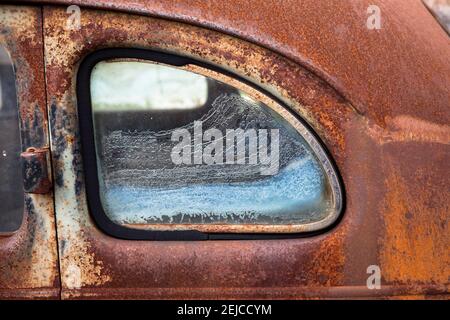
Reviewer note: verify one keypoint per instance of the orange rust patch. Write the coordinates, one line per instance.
(417, 237)
(328, 262)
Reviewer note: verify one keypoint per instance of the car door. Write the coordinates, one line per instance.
(136, 258)
(95, 202)
(99, 259)
(28, 247)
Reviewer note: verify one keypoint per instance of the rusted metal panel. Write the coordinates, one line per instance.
(383, 72)
(35, 171)
(28, 258)
(341, 292)
(376, 137)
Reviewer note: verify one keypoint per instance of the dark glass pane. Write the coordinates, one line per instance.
(11, 191)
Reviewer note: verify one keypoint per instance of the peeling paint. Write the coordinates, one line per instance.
(28, 258)
(383, 142)
(416, 245)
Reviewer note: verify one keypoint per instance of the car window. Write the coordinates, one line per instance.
(180, 150)
(11, 191)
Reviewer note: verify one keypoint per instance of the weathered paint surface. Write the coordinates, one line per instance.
(385, 124)
(35, 171)
(28, 258)
(404, 65)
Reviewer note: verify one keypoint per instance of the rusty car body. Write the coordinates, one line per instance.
(378, 99)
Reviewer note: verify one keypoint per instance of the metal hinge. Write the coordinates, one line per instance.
(36, 170)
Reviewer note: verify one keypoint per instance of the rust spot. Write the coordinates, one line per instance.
(417, 233)
(36, 170)
(327, 264)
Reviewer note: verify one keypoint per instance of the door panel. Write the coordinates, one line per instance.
(332, 264)
(94, 264)
(28, 257)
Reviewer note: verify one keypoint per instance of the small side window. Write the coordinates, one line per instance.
(11, 190)
(174, 146)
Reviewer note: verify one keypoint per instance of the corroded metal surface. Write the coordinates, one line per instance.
(386, 126)
(35, 171)
(381, 72)
(28, 258)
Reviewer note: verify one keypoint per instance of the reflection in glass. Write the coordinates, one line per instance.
(145, 86)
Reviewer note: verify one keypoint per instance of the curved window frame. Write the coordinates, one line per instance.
(133, 233)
